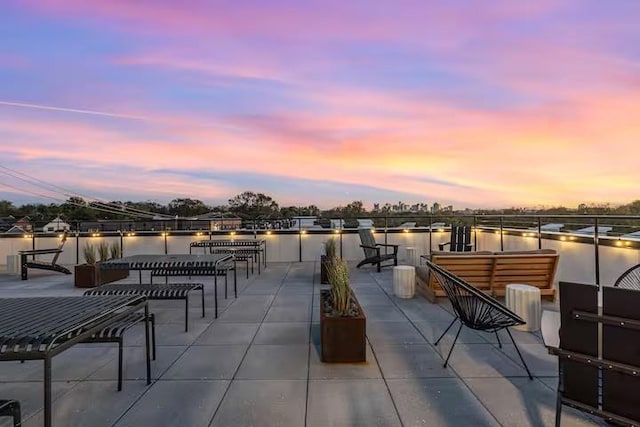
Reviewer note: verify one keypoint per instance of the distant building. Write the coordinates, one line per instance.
(57, 224)
(304, 222)
(435, 208)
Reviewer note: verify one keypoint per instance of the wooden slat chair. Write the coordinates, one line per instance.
(460, 240)
(11, 408)
(372, 251)
(475, 310)
(534, 269)
(630, 279)
(52, 265)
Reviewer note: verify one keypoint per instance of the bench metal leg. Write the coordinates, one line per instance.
(146, 341)
(120, 356)
(226, 274)
(186, 312)
(47, 391)
(215, 295)
(202, 293)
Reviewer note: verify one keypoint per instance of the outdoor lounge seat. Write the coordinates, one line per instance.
(372, 251)
(157, 291)
(25, 264)
(11, 408)
(460, 240)
(115, 333)
(630, 279)
(474, 309)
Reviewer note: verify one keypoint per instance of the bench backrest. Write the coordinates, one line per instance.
(537, 270)
(60, 246)
(494, 271)
(477, 270)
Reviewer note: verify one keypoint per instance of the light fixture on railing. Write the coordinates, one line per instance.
(232, 233)
(268, 232)
(406, 230)
(164, 233)
(131, 234)
(27, 236)
(95, 234)
(336, 231)
(303, 231)
(199, 233)
(563, 238)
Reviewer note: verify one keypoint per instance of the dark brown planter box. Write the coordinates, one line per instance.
(342, 339)
(86, 276)
(324, 279)
(108, 275)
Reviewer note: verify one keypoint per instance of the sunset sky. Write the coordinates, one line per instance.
(475, 104)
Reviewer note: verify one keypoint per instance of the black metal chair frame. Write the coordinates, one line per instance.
(372, 251)
(158, 291)
(630, 279)
(475, 310)
(460, 240)
(11, 408)
(25, 264)
(115, 333)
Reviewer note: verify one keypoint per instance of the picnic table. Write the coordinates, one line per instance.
(179, 265)
(257, 246)
(40, 328)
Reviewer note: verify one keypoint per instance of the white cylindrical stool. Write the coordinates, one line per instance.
(404, 281)
(411, 255)
(524, 300)
(13, 264)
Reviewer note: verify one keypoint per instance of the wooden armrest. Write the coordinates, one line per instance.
(40, 251)
(369, 247)
(442, 245)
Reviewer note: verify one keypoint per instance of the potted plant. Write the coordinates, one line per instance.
(85, 274)
(330, 254)
(342, 320)
(108, 275)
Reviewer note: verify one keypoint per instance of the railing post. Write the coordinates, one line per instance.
(597, 252)
(539, 233)
(501, 233)
(77, 235)
(430, 233)
(475, 232)
(121, 243)
(300, 241)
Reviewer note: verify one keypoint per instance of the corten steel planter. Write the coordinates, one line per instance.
(108, 275)
(85, 276)
(342, 339)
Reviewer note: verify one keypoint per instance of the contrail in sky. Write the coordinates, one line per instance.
(71, 110)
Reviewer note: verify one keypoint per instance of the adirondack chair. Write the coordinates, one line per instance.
(460, 240)
(372, 252)
(43, 265)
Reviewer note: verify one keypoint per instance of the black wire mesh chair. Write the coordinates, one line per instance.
(630, 279)
(475, 310)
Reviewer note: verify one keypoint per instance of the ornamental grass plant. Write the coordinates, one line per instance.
(338, 275)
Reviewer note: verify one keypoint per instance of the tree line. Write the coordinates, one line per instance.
(248, 205)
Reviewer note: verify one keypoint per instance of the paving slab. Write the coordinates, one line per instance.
(410, 361)
(438, 402)
(283, 333)
(30, 396)
(262, 403)
(356, 402)
(538, 359)
(522, 402)
(207, 363)
(300, 313)
(320, 370)
(78, 407)
(481, 360)
(176, 403)
(275, 362)
(135, 365)
(220, 333)
(393, 333)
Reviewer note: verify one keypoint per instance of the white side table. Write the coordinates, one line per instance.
(404, 281)
(524, 300)
(411, 255)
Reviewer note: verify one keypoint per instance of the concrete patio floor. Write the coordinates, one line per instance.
(258, 364)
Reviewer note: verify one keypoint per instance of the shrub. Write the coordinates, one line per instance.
(330, 248)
